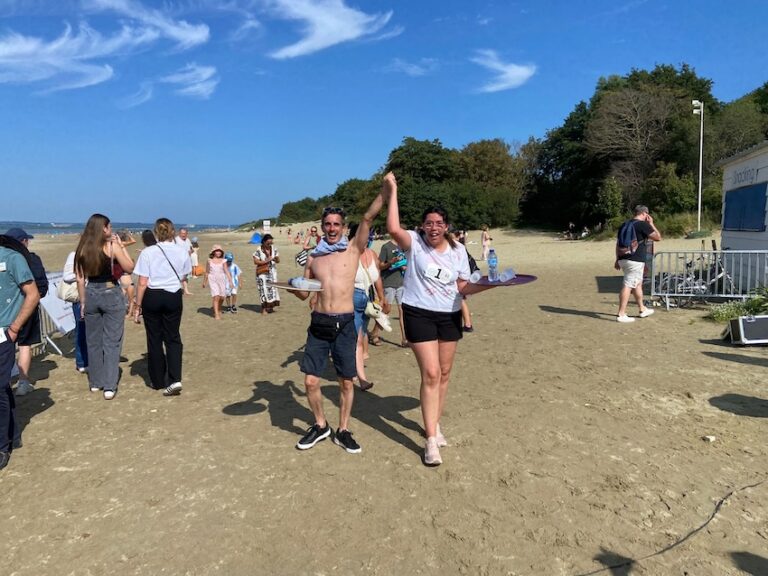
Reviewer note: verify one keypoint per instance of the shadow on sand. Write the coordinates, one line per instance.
(741, 405)
(750, 563)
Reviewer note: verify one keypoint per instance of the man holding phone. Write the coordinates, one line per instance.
(632, 264)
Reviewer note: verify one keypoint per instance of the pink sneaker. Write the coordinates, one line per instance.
(432, 453)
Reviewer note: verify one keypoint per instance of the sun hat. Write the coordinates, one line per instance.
(229, 256)
(214, 249)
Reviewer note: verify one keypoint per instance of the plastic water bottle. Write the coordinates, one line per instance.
(302, 283)
(507, 275)
(493, 266)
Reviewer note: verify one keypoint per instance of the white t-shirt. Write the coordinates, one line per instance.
(186, 243)
(430, 278)
(154, 265)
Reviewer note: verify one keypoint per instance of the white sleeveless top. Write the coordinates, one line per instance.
(361, 279)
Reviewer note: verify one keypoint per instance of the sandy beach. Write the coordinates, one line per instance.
(576, 443)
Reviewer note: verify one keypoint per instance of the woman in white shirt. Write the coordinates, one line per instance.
(435, 280)
(161, 269)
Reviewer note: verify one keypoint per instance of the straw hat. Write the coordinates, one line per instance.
(214, 249)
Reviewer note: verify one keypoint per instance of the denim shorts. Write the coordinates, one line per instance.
(341, 348)
(360, 299)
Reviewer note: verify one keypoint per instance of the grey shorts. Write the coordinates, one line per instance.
(339, 327)
(394, 295)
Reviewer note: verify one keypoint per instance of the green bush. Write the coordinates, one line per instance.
(753, 306)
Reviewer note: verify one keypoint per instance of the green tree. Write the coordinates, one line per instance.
(299, 211)
(423, 160)
(610, 202)
(665, 192)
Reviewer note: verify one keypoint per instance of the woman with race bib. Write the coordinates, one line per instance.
(436, 278)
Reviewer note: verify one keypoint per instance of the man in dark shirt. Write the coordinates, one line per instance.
(632, 265)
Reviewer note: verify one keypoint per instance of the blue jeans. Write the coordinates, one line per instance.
(8, 426)
(81, 347)
(104, 324)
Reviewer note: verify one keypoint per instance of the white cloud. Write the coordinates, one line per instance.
(144, 94)
(325, 23)
(194, 81)
(507, 75)
(67, 60)
(185, 35)
(422, 68)
(246, 28)
(78, 58)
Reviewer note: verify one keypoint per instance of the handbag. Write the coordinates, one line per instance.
(67, 291)
(301, 258)
(373, 309)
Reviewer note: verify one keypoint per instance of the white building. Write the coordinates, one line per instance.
(745, 220)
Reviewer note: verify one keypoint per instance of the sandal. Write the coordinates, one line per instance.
(375, 341)
(365, 385)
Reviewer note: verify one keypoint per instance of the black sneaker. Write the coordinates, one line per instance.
(344, 439)
(4, 457)
(234, 310)
(314, 435)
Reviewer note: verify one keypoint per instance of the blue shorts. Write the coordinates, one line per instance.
(360, 300)
(339, 327)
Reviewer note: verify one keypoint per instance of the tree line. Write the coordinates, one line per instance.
(635, 141)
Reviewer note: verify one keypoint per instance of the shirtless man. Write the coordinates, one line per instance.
(332, 329)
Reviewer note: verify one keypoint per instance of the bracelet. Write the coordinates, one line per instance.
(12, 329)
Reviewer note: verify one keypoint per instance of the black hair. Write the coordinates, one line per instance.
(148, 237)
(444, 215)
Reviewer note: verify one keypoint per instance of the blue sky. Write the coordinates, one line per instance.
(219, 111)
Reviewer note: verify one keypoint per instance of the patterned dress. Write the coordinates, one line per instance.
(217, 277)
(267, 293)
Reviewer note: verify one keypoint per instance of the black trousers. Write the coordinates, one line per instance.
(162, 319)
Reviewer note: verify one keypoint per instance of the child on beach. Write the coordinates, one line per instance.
(217, 275)
(197, 270)
(232, 288)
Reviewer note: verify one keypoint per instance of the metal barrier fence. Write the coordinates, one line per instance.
(680, 277)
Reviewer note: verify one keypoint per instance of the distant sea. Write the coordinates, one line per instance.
(53, 228)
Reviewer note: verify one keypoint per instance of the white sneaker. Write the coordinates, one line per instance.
(109, 394)
(173, 390)
(647, 312)
(624, 318)
(24, 387)
(441, 441)
(432, 453)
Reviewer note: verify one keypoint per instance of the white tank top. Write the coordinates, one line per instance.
(361, 279)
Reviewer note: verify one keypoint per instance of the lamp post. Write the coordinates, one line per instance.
(698, 108)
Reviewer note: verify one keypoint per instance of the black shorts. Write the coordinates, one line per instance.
(426, 325)
(341, 347)
(30, 331)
